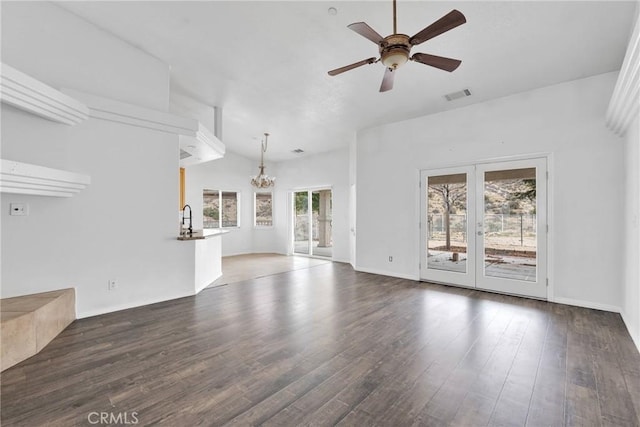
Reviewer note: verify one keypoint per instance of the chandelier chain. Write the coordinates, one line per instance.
(262, 180)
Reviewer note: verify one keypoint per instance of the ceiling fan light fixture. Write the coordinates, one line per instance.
(394, 58)
(394, 50)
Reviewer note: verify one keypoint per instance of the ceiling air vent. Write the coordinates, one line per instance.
(184, 154)
(297, 151)
(456, 95)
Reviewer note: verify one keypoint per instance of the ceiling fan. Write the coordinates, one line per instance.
(395, 49)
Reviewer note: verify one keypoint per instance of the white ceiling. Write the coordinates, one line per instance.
(265, 62)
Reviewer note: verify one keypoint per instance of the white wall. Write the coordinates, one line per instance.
(566, 120)
(78, 55)
(185, 106)
(631, 296)
(123, 226)
(231, 173)
(326, 170)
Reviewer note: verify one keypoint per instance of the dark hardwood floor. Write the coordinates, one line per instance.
(326, 346)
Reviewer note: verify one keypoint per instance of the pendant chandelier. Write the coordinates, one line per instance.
(262, 180)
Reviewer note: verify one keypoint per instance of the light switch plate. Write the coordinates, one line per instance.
(19, 209)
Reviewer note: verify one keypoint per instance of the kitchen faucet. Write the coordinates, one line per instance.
(190, 222)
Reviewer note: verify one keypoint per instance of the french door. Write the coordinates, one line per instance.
(485, 226)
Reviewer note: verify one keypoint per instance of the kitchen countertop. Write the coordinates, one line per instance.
(202, 234)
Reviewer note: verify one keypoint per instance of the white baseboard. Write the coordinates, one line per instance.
(387, 273)
(585, 304)
(251, 253)
(120, 307)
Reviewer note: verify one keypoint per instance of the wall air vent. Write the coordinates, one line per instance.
(184, 154)
(457, 95)
(297, 151)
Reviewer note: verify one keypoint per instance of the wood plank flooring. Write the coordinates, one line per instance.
(328, 346)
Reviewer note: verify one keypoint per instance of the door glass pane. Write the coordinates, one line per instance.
(510, 240)
(301, 222)
(321, 233)
(447, 222)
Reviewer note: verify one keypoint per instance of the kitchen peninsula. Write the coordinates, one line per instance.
(206, 246)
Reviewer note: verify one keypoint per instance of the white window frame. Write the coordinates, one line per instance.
(238, 209)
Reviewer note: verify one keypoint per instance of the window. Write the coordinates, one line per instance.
(220, 209)
(263, 210)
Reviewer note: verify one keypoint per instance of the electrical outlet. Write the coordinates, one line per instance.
(390, 258)
(19, 209)
(112, 284)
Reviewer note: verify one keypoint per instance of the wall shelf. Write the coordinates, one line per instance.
(24, 178)
(31, 95)
(134, 115)
(197, 143)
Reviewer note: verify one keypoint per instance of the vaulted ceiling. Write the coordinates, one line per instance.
(265, 62)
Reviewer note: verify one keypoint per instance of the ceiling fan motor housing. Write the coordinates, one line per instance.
(394, 50)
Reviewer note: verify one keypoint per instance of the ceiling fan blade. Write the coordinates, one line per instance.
(352, 66)
(366, 31)
(387, 80)
(441, 62)
(442, 25)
